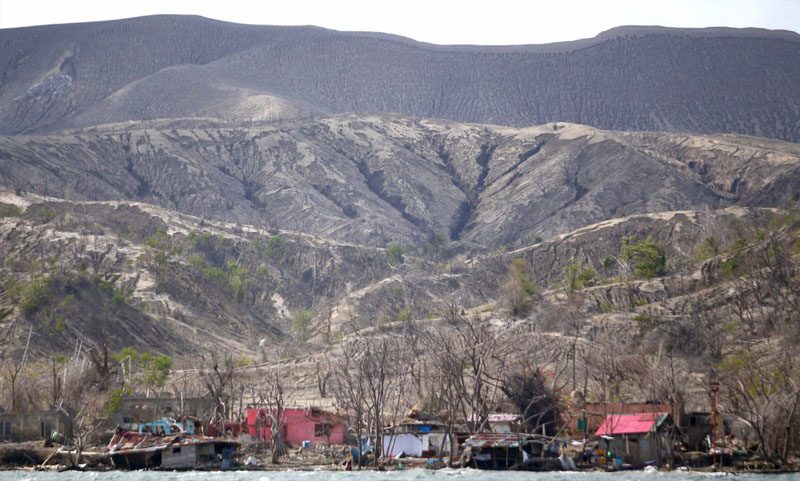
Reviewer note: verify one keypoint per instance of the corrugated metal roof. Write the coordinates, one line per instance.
(498, 418)
(485, 440)
(629, 423)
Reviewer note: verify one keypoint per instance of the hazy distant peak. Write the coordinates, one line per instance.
(642, 30)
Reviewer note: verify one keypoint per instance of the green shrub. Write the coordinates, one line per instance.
(276, 246)
(301, 323)
(34, 295)
(119, 298)
(645, 256)
(577, 277)
(151, 370)
(40, 213)
(403, 314)
(203, 241)
(729, 267)
(433, 247)
(232, 277)
(9, 210)
(707, 249)
(394, 255)
(519, 287)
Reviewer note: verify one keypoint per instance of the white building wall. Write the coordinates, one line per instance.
(410, 444)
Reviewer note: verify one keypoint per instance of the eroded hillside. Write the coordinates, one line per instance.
(126, 274)
(376, 179)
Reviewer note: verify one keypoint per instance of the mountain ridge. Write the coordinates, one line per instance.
(630, 78)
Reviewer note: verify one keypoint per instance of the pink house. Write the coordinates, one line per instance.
(299, 424)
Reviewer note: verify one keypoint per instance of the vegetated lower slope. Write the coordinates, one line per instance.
(128, 274)
(630, 78)
(645, 307)
(650, 306)
(381, 179)
(678, 292)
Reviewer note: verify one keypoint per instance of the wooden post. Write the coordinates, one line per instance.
(714, 388)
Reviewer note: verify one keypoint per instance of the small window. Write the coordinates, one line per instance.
(127, 419)
(5, 429)
(176, 450)
(322, 430)
(167, 409)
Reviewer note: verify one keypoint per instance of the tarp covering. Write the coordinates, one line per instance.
(410, 444)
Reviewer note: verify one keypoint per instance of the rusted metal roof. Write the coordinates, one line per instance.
(130, 442)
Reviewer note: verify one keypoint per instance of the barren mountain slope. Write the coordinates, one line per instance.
(629, 78)
(381, 179)
(124, 273)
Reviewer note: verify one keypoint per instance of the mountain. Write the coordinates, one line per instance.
(173, 67)
(287, 197)
(379, 179)
(181, 240)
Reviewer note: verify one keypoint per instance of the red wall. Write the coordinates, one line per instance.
(298, 426)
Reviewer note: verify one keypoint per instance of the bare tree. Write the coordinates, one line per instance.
(535, 401)
(349, 390)
(323, 375)
(219, 380)
(273, 398)
(468, 356)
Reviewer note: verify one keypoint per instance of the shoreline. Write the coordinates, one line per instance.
(33, 457)
(284, 467)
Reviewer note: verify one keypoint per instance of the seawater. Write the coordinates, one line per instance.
(407, 475)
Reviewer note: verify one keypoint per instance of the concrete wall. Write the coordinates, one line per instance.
(638, 449)
(139, 409)
(34, 426)
(176, 457)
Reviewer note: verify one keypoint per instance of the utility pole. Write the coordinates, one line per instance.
(714, 385)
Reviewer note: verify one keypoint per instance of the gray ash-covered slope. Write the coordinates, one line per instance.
(380, 179)
(631, 78)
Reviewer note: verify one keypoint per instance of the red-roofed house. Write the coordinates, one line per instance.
(638, 439)
(588, 416)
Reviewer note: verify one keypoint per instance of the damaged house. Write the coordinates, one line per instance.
(35, 425)
(637, 439)
(298, 424)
